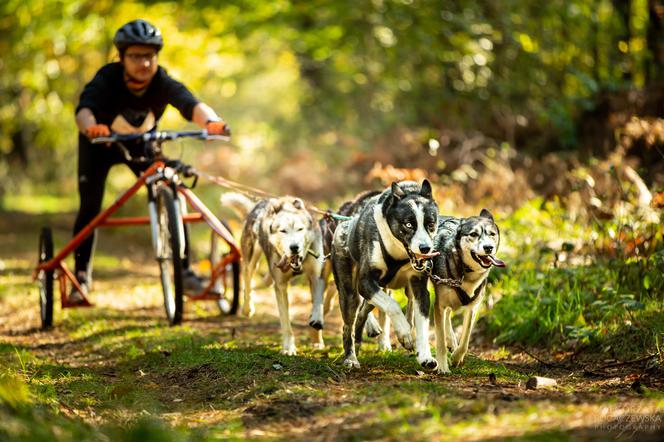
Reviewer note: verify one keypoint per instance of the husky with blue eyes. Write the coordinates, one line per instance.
(387, 245)
(285, 232)
(468, 248)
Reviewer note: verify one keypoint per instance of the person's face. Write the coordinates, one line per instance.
(140, 62)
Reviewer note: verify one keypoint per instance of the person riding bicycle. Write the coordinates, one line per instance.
(127, 97)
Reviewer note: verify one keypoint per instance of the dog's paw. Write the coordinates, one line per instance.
(384, 345)
(373, 332)
(407, 341)
(443, 369)
(248, 311)
(351, 363)
(289, 351)
(372, 328)
(457, 358)
(315, 323)
(429, 363)
(318, 346)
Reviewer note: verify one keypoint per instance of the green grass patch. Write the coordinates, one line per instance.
(592, 300)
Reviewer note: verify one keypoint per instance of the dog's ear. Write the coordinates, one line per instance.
(426, 190)
(274, 206)
(298, 203)
(397, 191)
(486, 214)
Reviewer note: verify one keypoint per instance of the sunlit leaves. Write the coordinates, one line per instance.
(297, 69)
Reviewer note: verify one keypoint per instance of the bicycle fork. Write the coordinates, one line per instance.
(157, 240)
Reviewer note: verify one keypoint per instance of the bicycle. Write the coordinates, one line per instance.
(168, 197)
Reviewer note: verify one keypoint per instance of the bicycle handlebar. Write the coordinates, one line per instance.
(160, 136)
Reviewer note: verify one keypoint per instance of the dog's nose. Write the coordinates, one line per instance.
(294, 248)
(424, 248)
(488, 249)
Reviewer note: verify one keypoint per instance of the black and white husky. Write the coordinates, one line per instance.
(285, 232)
(467, 249)
(387, 245)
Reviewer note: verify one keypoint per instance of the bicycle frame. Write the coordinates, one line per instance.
(202, 214)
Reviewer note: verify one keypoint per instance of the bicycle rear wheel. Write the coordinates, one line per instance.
(45, 278)
(169, 253)
(231, 287)
(228, 284)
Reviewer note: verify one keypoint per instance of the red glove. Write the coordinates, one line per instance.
(217, 128)
(97, 130)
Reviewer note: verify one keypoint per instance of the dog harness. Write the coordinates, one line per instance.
(393, 265)
(463, 296)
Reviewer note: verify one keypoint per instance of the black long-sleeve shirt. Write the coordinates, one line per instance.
(107, 96)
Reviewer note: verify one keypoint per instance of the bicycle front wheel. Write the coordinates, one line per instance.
(169, 252)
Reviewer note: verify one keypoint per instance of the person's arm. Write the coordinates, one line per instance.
(94, 95)
(87, 124)
(206, 117)
(203, 114)
(84, 119)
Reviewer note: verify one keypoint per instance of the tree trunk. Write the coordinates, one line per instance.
(623, 8)
(655, 40)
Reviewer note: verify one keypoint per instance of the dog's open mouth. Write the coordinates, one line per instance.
(419, 261)
(293, 262)
(487, 261)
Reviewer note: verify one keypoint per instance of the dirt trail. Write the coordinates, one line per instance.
(226, 372)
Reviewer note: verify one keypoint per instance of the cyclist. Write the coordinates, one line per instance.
(125, 97)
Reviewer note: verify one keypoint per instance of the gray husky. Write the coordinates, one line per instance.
(467, 249)
(285, 232)
(387, 245)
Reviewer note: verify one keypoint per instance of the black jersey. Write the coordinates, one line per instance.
(113, 104)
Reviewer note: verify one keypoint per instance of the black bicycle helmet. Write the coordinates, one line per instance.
(137, 32)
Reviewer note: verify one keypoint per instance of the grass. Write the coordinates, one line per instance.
(579, 306)
(609, 304)
(174, 372)
(118, 372)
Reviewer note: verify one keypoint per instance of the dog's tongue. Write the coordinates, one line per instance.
(427, 255)
(495, 261)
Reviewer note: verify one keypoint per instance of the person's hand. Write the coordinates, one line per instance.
(218, 128)
(97, 130)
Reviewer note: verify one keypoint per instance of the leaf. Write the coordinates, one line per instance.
(580, 320)
(646, 282)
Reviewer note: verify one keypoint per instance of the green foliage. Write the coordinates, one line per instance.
(319, 75)
(552, 296)
(13, 391)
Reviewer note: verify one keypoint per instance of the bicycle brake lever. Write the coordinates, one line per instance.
(189, 171)
(218, 137)
(207, 136)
